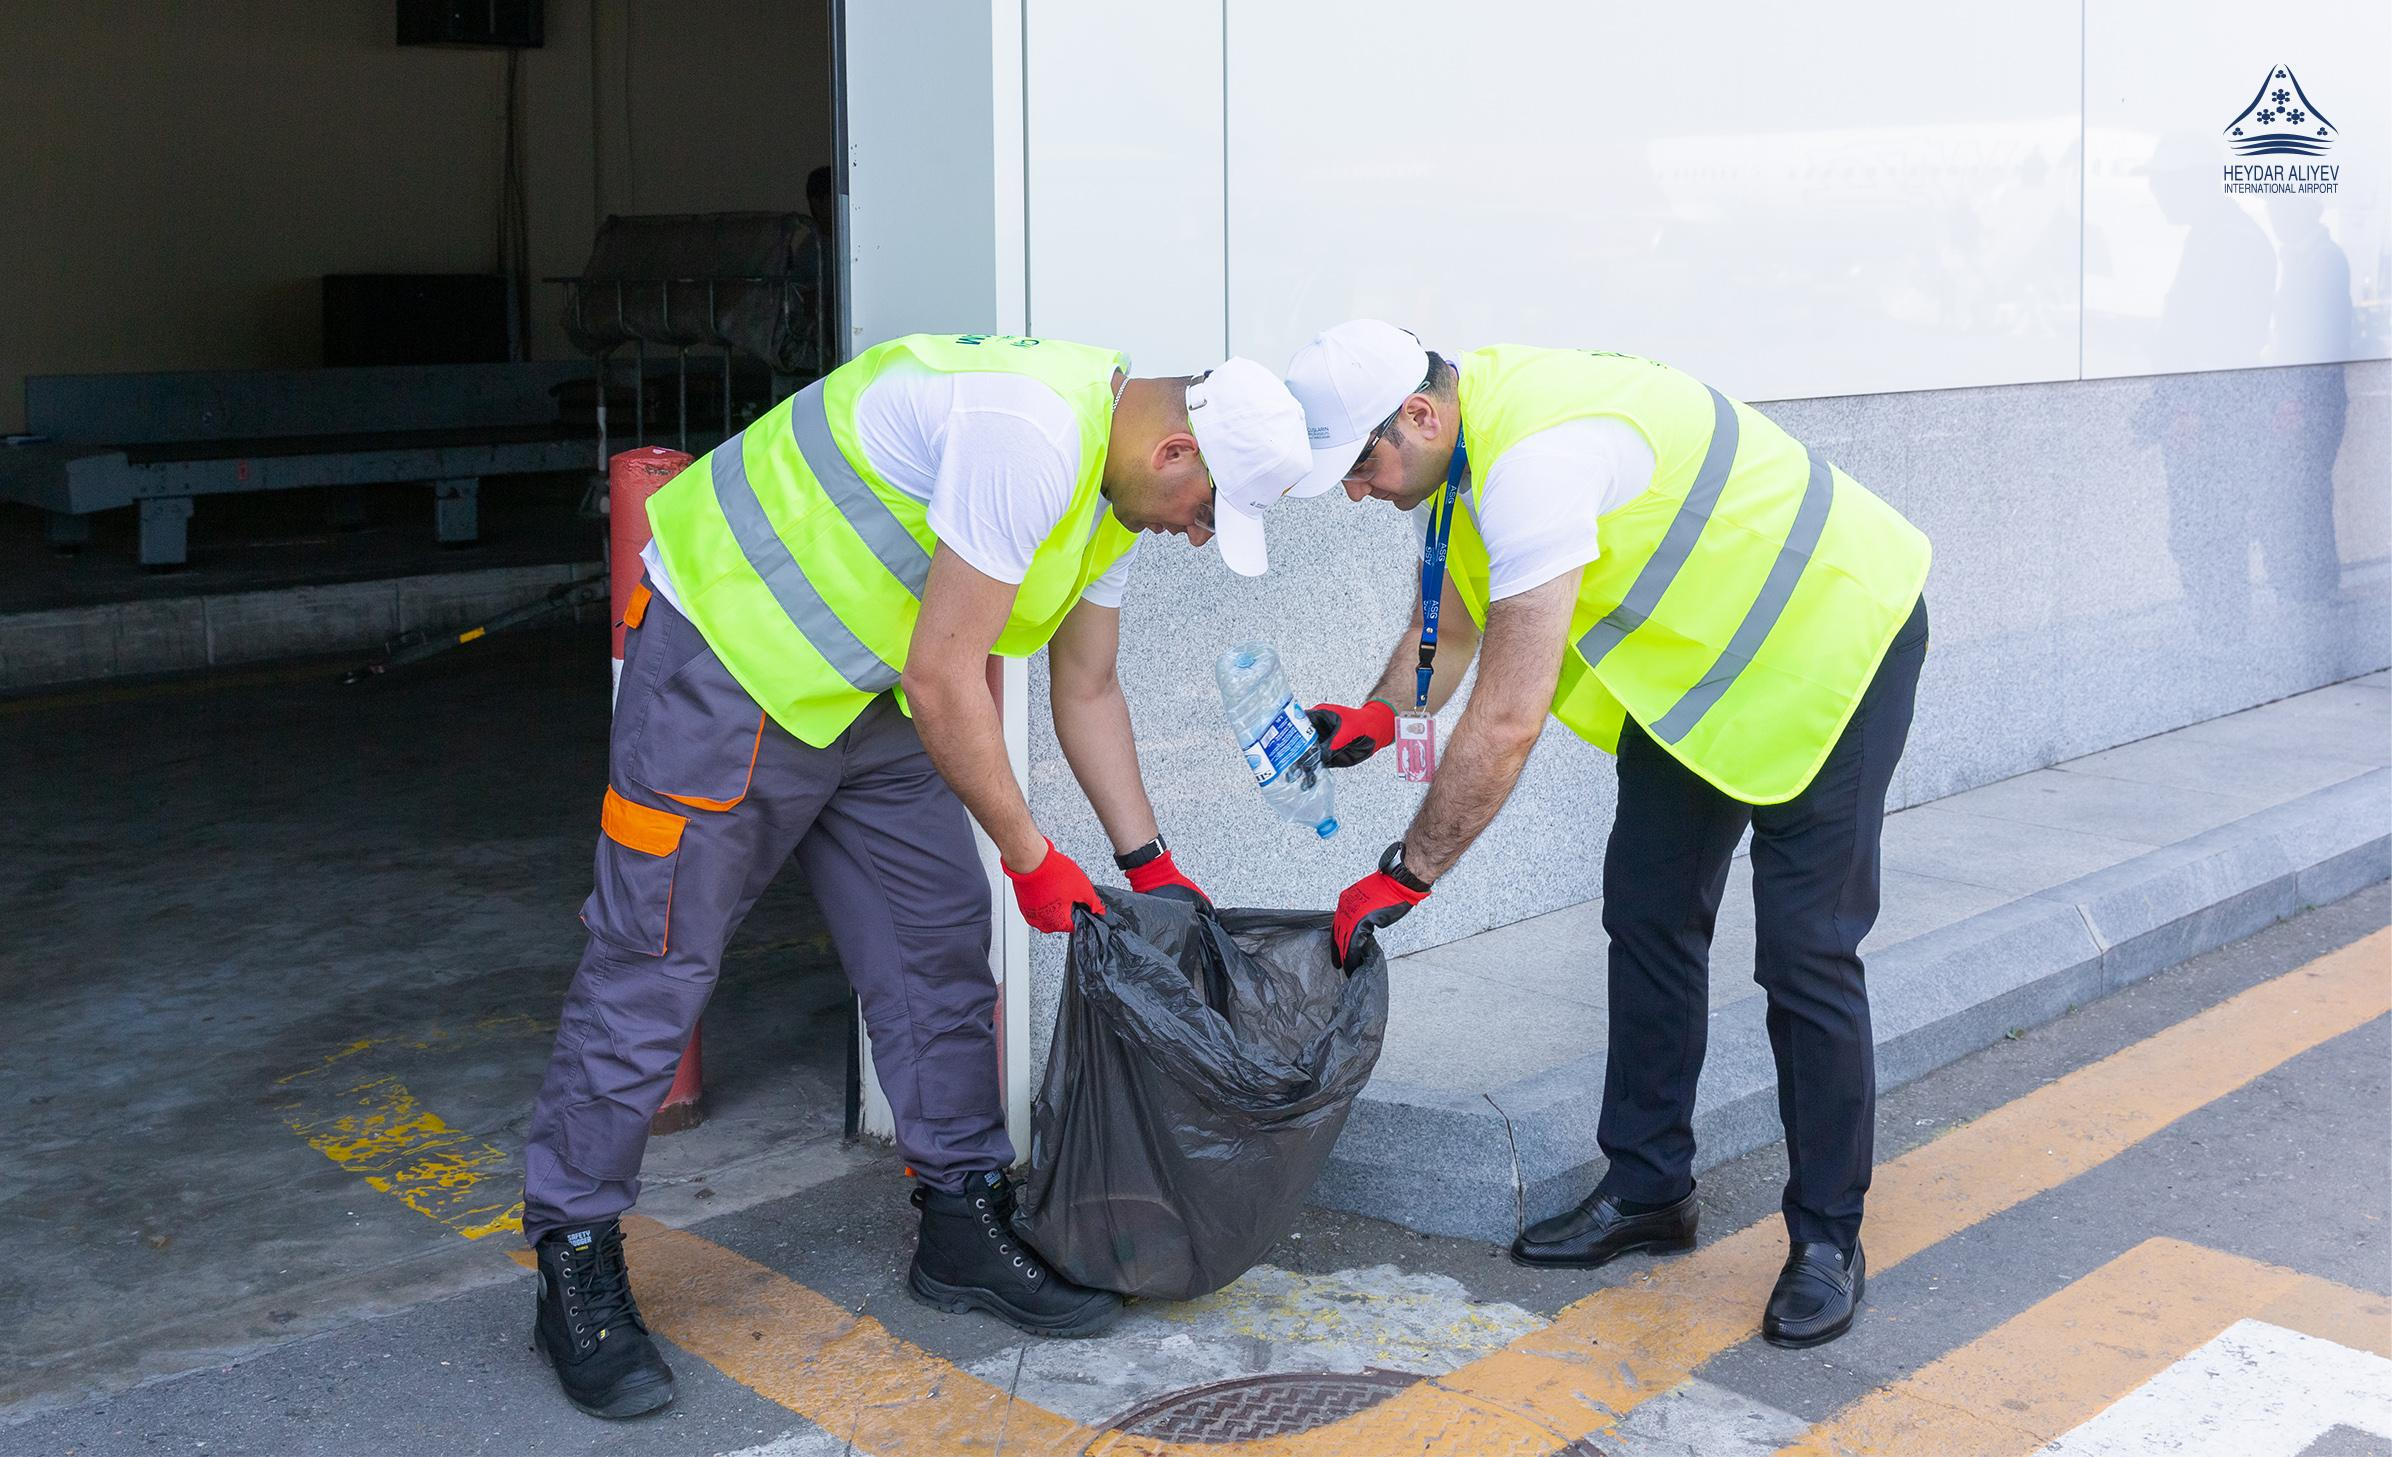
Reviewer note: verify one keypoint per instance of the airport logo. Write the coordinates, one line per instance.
(2281, 121)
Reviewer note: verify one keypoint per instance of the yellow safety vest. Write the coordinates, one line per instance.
(803, 567)
(1742, 600)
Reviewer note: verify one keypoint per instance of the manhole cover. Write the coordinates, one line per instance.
(1260, 1406)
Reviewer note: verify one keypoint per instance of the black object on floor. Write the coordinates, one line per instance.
(1203, 1065)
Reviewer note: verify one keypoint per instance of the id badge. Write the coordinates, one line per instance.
(1415, 747)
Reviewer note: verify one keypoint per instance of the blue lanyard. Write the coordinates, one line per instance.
(1432, 566)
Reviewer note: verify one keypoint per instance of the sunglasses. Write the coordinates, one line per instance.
(1369, 448)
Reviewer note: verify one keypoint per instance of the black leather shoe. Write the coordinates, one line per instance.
(1598, 1231)
(969, 1258)
(589, 1328)
(1816, 1296)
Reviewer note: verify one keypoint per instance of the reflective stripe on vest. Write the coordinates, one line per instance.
(1661, 569)
(1818, 493)
(1669, 558)
(870, 517)
(769, 556)
(1740, 603)
(804, 569)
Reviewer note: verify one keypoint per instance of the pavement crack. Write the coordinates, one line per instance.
(1021, 1357)
(1511, 1144)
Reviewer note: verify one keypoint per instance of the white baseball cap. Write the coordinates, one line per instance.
(1251, 432)
(1349, 379)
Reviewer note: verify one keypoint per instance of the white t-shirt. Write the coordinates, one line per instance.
(1536, 510)
(995, 455)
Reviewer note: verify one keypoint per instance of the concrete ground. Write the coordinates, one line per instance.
(2156, 1225)
(271, 1061)
(346, 908)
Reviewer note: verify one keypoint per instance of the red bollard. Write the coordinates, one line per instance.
(631, 478)
(684, 1103)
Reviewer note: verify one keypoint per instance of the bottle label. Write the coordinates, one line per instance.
(1281, 742)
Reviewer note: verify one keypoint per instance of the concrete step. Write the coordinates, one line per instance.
(2004, 906)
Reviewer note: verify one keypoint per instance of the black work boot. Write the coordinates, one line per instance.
(969, 1258)
(589, 1328)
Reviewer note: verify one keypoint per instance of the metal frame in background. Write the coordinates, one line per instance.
(576, 301)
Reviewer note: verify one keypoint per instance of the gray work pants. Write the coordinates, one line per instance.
(888, 851)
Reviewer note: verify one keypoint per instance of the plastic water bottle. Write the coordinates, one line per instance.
(1277, 736)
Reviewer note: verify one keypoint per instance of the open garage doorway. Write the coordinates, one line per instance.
(293, 371)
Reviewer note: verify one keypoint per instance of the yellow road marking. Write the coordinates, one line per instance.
(2359, 1319)
(371, 1125)
(2059, 1364)
(840, 1370)
(1624, 1345)
(1603, 1355)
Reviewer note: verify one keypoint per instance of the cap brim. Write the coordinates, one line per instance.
(1239, 536)
(1329, 468)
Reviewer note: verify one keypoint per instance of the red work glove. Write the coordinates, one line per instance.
(1351, 735)
(1048, 892)
(1373, 903)
(1161, 876)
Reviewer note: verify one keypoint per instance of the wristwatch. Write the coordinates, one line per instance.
(1151, 850)
(1391, 865)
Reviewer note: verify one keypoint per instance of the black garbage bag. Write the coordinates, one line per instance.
(1202, 1068)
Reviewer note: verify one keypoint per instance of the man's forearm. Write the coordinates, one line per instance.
(1498, 729)
(965, 737)
(1093, 726)
(1395, 685)
(1472, 783)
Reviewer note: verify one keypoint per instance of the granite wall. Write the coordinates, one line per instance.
(2114, 558)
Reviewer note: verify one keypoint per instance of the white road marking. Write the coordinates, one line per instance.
(2257, 1390)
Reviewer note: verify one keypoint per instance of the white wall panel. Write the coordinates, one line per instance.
(1124, 174)
(1787, 200)
(922, 212)
(2180, 273)
(933, 98)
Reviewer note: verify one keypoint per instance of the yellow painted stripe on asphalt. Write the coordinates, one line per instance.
(844, 1372)
(838, 1369)
(2359, 1319)
(375, 1128)
(1610, 1352)
(2059, 1364)
(1622, 1346)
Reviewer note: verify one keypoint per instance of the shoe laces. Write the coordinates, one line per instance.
(994, 1204)
(598, 1289)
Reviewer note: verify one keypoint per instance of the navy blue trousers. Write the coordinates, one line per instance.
(1815, 867)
